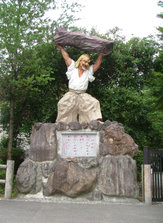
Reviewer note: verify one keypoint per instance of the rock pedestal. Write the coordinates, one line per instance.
(106, 168)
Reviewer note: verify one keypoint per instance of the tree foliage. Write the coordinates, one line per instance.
(122, 89)
(128, 84)
(120, 86)
(22, 28)
(160, 29)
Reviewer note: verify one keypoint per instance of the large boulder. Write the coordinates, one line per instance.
(69, 179)
(31, 175)
(82, 41)
(118, 176)
(43, 145)
(28, 178)
(115, 141)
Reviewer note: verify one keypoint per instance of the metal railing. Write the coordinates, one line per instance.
(154, 159)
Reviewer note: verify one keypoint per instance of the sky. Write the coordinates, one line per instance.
(134, 17)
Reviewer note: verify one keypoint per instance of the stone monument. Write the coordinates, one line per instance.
(91, 158)
(74, 160)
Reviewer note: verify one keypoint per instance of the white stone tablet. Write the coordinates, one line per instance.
(78, 144)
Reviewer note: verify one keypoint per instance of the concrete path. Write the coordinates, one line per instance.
(42, 211)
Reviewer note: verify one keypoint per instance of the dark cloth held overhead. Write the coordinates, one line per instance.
(91, 44)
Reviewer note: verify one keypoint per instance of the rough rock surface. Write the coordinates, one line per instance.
(61, 126)
(95, 125)
(47, 168)
(75, 126)
(118, 176)
(116, 142)
(28, 178)
(111, 173)
(43, 142)
(82, 41)
(69, 179)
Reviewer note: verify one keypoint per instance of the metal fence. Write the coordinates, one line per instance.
(155, 159)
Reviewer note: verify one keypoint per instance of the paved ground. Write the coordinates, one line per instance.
(30, 211)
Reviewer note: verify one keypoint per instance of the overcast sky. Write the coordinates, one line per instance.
(134, 17)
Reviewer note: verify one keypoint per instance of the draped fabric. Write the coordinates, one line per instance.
(78, 103)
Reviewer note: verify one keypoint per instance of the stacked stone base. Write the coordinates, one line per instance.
(112, 172)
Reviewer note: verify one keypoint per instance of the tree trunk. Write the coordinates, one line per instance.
(11, 127)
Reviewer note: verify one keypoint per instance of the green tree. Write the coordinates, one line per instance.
(153, 93)
(22, 26)
(160, 29)
(121, 87)
(156, 81)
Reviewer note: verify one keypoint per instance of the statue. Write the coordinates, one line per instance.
(77, 103)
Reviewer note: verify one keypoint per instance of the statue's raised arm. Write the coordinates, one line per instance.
(65, 55)
(98, 62)
(77, 105)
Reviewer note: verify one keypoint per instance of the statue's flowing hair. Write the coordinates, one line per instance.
(81, 58)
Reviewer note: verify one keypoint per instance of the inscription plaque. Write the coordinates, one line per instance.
(78, 144)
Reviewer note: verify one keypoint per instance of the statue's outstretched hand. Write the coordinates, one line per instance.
(104, 54)
(59, 46)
